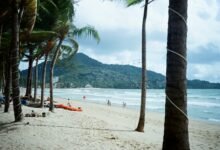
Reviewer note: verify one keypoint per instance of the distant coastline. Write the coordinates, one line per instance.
(81, 70)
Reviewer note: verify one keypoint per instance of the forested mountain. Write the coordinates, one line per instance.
(81, 70)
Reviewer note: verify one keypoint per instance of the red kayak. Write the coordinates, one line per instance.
(68, 107)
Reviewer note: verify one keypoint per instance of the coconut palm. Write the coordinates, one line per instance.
(140, 127)
(36, 38)
(65, 13)
(38, 54)
(19, 8)
(14, 62)
(64, 32)
(31, 48)
(176, 122)
(23, 12)
(36, 78)
(49, 46)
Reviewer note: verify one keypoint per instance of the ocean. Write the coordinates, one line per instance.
(203, 104)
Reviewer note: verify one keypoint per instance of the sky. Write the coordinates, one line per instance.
(120, 31)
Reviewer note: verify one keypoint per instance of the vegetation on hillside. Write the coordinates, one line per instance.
(79, 70)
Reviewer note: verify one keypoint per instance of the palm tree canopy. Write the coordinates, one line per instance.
(29, 15)
(87, 31)
(35, 37)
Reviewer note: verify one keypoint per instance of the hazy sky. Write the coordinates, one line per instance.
(120, 31)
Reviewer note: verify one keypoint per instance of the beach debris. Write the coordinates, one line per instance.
(34, 114)
(112, 137)
(27, 115)
(38, 115)
(24, 101)
(43, 114)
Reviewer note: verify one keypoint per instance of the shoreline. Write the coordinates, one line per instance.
(97, 127)
(201, 105)
(137, 109)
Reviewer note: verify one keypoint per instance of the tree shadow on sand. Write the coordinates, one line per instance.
(7, 127)
(83, 128)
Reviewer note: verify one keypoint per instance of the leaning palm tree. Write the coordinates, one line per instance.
(62, 29)
(36, 38)
(31, 48)
(36, 78)
(176, 121)
(49, 46)
(38, 54)
(65, 33)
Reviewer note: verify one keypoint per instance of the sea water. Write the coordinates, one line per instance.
(203, 104)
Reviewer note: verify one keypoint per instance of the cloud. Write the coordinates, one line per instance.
(204, 71)
(209, 53)
(113, 41)
(203, 15)
(218, 13)
(120, 30)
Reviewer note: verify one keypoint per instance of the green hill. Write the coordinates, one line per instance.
(81, 70)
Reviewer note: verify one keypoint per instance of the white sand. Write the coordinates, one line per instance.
(98, 127)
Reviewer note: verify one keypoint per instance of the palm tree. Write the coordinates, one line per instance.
(176, 121)
(30, 65)
(65, 13)
(36, 78)
(47, 49)
(38, 54)
(141, 123)
(43, 79)
(14, 62)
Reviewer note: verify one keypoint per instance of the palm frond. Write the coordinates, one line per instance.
(30, 14)
(69, 50)
(87, 31)
(74, 44)
(133, 2)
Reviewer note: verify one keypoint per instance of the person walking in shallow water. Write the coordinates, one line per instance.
(124, 104)
(108, 102)
(68, 103)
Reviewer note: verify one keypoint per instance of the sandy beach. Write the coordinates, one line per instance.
(97, 127)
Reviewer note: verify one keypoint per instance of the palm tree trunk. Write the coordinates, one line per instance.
(51, 74)
(176, 122)
(3, 75)
(8, 82)
(1, 29)
(43, 80)
(29, 76)
(14, 62)
(35, 80)
(140, 127)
